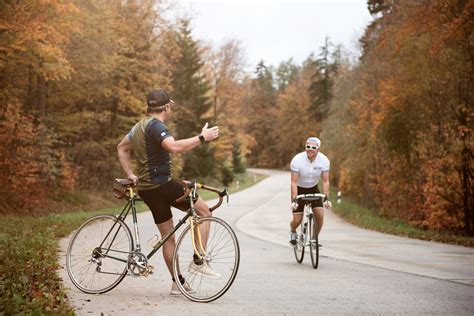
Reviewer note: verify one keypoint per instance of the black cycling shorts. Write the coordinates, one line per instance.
(160, 200)
(301, 203)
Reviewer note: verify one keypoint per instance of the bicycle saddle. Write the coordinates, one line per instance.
(125, 182)
(120, 188)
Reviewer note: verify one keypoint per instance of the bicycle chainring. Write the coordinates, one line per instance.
(138, 265)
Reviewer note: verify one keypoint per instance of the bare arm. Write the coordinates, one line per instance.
(180, 146)
(124, 148)
(294, 185)
(326, 183)
(183, 145)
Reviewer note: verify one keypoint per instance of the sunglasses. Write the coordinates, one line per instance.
(312, 147)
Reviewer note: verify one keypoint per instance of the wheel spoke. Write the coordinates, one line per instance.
(98, 270)
(222, 256)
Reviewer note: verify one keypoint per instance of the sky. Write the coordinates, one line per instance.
(277, 30)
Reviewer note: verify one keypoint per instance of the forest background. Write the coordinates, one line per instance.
(397, 125)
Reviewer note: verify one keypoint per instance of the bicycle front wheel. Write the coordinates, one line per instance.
(212, 276)
(97, 255)
(299, 247)
(313, 242)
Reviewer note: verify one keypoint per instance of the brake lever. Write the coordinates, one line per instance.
(227, 196)
(194, 189)
(225, 193)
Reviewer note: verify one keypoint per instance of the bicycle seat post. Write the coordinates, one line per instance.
(133, 195)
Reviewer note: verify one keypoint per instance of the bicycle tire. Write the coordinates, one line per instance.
(313, 242)
(298, 248)
(222, 251)
(97, 255)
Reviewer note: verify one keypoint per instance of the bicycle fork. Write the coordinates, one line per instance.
(199, 250)
(306, 229)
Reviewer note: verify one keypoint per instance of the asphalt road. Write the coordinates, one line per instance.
(360, 272)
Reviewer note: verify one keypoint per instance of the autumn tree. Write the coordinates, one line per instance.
(225, 72)
(294, 125)
(74, 74)
(116, 59)
(259, 108)
(34, 35)
(410, 116)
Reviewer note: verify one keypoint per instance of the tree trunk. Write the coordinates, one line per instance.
(114, 117)
(41, 96)
(467, 191)
(29, 102)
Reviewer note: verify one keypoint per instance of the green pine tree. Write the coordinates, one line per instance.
(191, 95)
(321, 85)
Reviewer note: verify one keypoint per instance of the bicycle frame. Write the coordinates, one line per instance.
(97, 264)
(191, 194)
(307, 198)
(307, 213)
(306, 235)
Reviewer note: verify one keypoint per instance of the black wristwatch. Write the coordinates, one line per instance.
(201, 138)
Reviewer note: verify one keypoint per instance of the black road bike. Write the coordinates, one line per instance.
(103, 250)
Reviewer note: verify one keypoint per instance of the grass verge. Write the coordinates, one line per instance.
(366, 218)
(28, 256)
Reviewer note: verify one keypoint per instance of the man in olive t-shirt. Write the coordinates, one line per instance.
(152, 144)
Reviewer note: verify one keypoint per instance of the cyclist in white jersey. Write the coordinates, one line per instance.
(307, 168)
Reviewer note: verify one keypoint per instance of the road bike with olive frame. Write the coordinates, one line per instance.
(306, 231)
(102, 251)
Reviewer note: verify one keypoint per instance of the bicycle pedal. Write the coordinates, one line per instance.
(150, 269)
(147, 271)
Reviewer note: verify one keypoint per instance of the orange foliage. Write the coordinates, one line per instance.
(413, 107)
(20, 169)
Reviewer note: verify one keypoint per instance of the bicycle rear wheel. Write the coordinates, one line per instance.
(222, 257)
(299, 247)
(313, 242)
(97, 255)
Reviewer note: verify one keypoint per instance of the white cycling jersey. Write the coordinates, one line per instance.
(310, 171)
